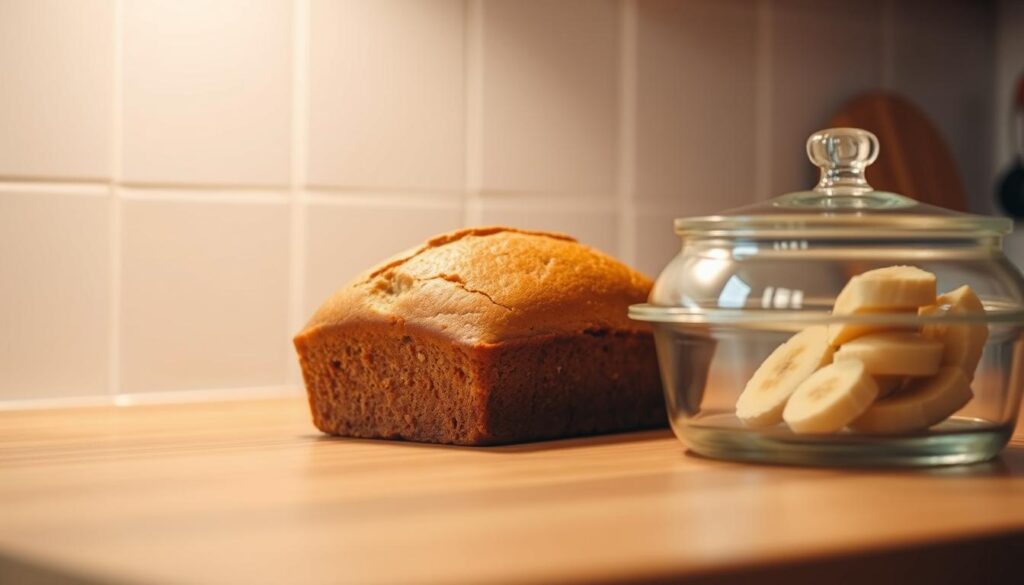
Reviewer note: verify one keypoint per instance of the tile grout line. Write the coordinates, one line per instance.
(328, 195)
(380, 201)
(194, 196)
(998, 150)
(62, 188)
(763, 102)
(888, 44)
(163, 397)
(297, 200)
(626, 211)
(472, 64)
(115, 239)
(1003, 142)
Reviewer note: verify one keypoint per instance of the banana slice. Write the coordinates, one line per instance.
(765, 395)
(885, 290)
(895, 287)
(831, 398)
(840, 333)
(964, 342)
(923, 403)
(893, 354)
(888, 384)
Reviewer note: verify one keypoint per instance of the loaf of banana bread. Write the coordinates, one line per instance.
(484, 336)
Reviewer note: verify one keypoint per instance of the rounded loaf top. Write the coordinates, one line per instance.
(487, 285)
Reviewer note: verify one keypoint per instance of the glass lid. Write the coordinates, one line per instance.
(843, 204)
(788, 258)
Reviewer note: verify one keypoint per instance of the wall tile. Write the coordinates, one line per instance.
(695, 103)
(823, 55)
(345, 238)
(204, 294)
(1010, 70)
(593, 225)
(1013, 247)
(945, 63)
(56, 278)
(550, 97)
(387, 94)
(654, 233)
(656, 241)
(56, 75)
(207, 91)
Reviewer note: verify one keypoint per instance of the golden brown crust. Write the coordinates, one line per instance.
(488, 285)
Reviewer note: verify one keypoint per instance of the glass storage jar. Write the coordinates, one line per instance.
(747, 280)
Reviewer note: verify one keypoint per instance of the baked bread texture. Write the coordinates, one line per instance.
(484, 336)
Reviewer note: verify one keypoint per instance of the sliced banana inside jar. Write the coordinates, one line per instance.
(831, 398)
(964, 342)
(872, 378)
(895, 289)
(923, 403)
(889, 384)
(787, 367)
(894, 353)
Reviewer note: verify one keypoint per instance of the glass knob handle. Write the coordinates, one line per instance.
(842, 154)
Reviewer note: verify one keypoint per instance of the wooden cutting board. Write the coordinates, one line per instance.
(914, 160)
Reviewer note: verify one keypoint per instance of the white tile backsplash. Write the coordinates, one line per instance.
(1009, 74)
(56, 88)
(590, 222)
(550, 96)
(396, 120)
(54, 285)
(1013, 245)
(695, 103)
(656, 242)
(821, 59)
(198, 176)
(945, 62)
(207, 92)
(204, 294)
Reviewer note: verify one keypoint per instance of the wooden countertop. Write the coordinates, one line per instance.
(249, 492)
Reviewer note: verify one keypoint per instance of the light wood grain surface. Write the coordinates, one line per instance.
(249, 492)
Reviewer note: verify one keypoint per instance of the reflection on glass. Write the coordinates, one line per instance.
(734, 294)
(790, 245)
(710, 268)
(782, 298)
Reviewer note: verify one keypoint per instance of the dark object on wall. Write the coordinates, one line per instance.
(916, 161)
(1011, 185)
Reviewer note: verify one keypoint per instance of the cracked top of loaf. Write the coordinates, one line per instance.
(491, 284)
